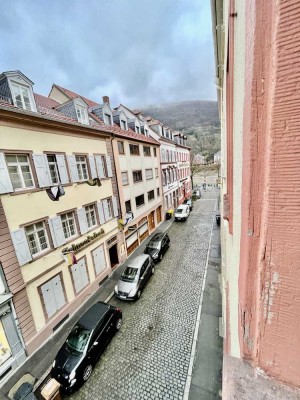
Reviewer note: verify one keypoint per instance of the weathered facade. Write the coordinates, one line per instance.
(257, 74)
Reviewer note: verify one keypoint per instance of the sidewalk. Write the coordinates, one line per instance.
(206, 382)
(39, 363)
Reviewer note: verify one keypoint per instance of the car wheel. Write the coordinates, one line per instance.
(138, 295)
(152, 270)
(160, 257)
(118, 324)
(87, 372)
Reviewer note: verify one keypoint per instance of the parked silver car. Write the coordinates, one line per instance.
(134, 277)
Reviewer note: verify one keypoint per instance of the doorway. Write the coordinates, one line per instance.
(113, 255)
(151, 221)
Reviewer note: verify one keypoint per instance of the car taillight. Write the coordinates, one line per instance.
(118, 309)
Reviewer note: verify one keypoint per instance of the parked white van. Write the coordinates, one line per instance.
(182, 212)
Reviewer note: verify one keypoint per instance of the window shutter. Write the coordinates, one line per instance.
(21, 246)
(99, 259)
(48, 299)
(105, 209)
(115, 206)
(73, 168)
(99, 167)
(5, 182)
(93, 167)
(42, 169)
(108, 166)
(100, 212)
(83, 273)
(62, 168)
(58, 292)
(82, 220)
(57, 231)
(13, 337)
(76, 277)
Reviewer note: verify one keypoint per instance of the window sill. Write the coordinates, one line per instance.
(137, 155)
(138, 181)
(149, 179)
(140, 206)
(40, 255)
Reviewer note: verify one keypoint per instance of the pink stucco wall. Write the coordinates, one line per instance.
(269, 279)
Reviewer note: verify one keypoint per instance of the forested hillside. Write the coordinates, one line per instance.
(199, 119)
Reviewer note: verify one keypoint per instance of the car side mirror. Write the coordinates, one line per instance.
(96, 343)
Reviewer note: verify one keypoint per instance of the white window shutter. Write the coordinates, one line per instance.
(115, 206)
(82, 220)
(21, 246)
(99, 260)
(42, 170)
(76, 277)
(73, 168)
(99, 166)
(105, 209)
(5, 182)
(57, 231)
(62, 168)
(58, 292)
(83, 272)
(93, 167)
(49, 299)
(100, 212)
(108, 166)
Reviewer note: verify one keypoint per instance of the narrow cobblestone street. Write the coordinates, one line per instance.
(149, 358)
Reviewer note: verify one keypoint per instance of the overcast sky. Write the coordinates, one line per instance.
(138, 52)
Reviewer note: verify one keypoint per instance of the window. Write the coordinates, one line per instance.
(146, 132)
(103, 161)
(109, 208)
(22, 97)
(140, 200)
(54, 174)
(149, 173)
(107, 119)
(121, 147)
(137, 176)
(52, 294)
(20, 171)
(157, 190)
(125, 178)
(156, 172)
(90, 215)
(137, 129)
(123, 125)
(81, 114)
(69, 226)
(147, 151)
(37, 238)
(128, 206)
(82, 167)
(151, 195)
(134, 149)
(154, 151)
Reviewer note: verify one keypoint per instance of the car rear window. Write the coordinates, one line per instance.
(179, 210)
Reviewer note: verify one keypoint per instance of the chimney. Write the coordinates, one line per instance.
(105, 99)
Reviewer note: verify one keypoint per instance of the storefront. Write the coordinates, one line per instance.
(143, 229)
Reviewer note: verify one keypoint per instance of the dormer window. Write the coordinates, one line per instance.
(107, 119)
(81, 113)
(123, 125)
(137, 129)
(22, 97)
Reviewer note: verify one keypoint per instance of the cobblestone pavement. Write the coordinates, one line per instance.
(149, 357)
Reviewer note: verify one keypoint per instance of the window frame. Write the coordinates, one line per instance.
(144, 152)
(141, 205)
(153, 198)
(47, 235)
(22, 86)
(77, 230)
(31, 170)
(130, 206)
(107, 118)
(136, 171)
(151, 177)
(87, 218)
(80, 163)
(83, 118)
(120, 142)
(127, 183)
(124, 127)
(131, 145)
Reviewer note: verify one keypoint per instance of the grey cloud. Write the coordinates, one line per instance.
(138, 52)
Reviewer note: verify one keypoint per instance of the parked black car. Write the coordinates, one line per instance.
(157, 246)
(86, 342)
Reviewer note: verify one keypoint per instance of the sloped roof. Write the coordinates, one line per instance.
(44, 101)
(73, 95)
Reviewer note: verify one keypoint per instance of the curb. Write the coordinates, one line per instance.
(198, 319)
